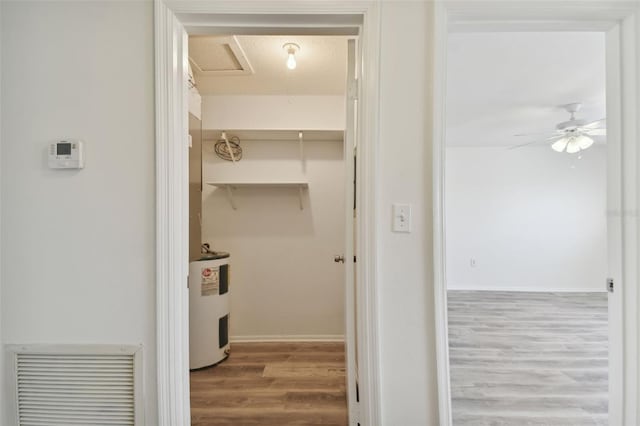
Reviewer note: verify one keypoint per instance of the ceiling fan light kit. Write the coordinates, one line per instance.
(572, 144)
(574, 135)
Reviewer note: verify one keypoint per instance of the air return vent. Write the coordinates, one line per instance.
(77, 385)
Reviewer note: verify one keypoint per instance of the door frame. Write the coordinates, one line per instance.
(171, 18)
(619, 21)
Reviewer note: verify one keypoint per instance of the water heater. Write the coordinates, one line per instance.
(209, 310)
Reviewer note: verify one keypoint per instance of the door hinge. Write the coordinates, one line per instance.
(610, 285)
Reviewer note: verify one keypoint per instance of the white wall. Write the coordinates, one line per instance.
(78, 246)
(274, 112)
(285, 284)
(532, 219)
(405, 285)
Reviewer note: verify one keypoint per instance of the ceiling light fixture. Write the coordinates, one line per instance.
(572, 143)
(291, 49)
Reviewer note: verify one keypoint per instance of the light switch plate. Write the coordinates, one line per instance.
(401, 218)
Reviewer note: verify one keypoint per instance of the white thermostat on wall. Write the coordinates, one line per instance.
(66, 154)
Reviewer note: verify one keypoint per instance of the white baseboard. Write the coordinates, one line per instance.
(289, 338)
(530, 289)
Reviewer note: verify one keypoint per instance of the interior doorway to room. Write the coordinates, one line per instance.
(272, 325)
(525, 202)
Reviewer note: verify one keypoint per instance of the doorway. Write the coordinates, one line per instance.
(274, 183)
(172, 63)
(618, 314)
(526, 233)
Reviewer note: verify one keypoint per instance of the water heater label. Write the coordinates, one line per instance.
(210, 281)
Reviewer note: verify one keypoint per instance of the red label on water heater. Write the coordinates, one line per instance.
(210, 281)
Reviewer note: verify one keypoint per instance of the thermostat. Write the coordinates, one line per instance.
(67, 154)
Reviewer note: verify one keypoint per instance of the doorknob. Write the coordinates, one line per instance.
(338, 259)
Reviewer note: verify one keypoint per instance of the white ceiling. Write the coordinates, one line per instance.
(503, 84)
(321, 70)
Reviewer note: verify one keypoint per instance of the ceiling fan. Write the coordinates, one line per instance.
(573, 135)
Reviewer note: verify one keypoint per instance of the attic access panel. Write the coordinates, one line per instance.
(218, 56)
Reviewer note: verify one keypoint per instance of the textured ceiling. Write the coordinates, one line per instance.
(503, 84)
(321, 70)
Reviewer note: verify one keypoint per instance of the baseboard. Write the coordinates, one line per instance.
(289, 338)
(528, 289)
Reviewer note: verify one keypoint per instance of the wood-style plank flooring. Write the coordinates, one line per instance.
(272, 384)
(529, 359)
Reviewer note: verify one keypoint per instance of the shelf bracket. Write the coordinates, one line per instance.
(301, 143)
(300, 197)
(230, 197)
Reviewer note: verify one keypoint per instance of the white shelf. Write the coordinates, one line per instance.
(239, 184)
(230, 186)
(276, 135)
(266, 135)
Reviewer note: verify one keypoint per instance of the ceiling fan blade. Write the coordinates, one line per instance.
(536, 141)
(534, 134)
(596, 132)
(523, 144)
(594, 124)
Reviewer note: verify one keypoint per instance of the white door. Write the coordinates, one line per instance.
(349, 253)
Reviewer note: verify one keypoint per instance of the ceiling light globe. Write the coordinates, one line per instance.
(584, 142)
(559, 145)
(573, 147)
(291, 61)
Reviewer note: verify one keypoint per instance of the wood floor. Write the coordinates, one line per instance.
(273, 384)
(528, 358)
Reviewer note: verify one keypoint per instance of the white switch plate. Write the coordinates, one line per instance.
(401, 218)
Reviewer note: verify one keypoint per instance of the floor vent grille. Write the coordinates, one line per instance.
(76, 388)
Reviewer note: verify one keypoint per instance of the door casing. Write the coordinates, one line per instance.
(173, 19)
